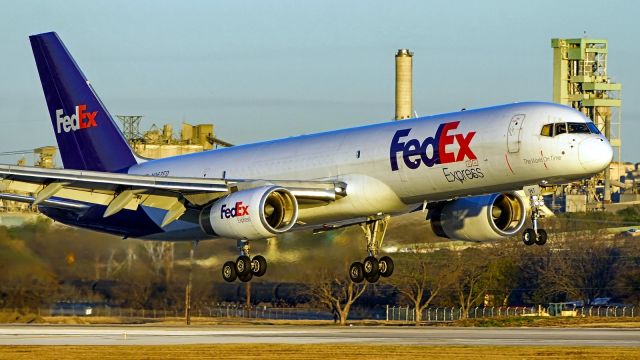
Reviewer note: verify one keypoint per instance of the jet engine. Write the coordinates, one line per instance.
(251, 214)
(480, 218)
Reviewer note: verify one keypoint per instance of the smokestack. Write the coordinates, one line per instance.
(404, 84)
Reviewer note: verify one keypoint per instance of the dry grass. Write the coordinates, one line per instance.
(522, 321)
(311, 352)
(561, 322)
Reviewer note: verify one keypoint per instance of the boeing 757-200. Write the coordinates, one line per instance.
(466, 169)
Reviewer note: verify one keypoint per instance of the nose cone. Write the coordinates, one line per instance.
(595, 154)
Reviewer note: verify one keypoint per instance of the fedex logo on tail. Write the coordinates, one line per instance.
(432, 150)
(82, 119)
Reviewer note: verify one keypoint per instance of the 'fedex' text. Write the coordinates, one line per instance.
(82, 119)
(432, 150)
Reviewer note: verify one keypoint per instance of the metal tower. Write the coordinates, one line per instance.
(131, 127)
(580, 80)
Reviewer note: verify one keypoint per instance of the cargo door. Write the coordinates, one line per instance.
(513, 134)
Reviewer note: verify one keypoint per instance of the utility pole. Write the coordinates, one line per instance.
(187, 296)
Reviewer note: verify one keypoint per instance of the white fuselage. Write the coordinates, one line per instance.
(391, 167)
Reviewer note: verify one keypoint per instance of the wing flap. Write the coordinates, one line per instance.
(53, 187)
(82, 178)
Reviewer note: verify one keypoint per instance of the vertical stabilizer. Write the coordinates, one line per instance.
(87, 136)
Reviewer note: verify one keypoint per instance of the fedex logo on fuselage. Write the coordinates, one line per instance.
(432, 150)
(80, 120)
(230, 212)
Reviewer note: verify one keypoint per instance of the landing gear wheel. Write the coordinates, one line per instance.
(541, 239)
(371, 266)
(374, 228)
(529, 237)
(243, 266)
(229, 273)
(385, 266)
(356, 272)
(246, 277)
(373, 278)
(258, 265)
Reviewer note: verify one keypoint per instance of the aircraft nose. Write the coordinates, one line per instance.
(595, 154)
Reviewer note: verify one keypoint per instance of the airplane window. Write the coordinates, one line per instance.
(578, 128)
(561, 128)
(547, 130)
(593, 128)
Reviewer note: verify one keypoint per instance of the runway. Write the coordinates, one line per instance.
(383, 335)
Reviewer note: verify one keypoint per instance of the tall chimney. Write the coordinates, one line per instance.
(404, 84)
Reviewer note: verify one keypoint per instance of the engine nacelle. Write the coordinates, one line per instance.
(480, 218)
(251, 214)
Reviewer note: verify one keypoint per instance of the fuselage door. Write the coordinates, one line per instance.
(513, 134)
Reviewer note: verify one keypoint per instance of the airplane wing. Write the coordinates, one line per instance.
(77, 188)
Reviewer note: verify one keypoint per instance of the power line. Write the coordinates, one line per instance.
(16, 152)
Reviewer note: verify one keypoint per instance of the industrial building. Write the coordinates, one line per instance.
(160, 142)
(581, 80)
(155, 143)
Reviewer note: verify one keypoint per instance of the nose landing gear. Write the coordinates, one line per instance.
(372, 268)
(244, 268)
(534, 235)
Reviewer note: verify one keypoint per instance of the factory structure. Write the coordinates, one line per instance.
(160, 142)
(581, 80)
(404, 84)
(157, 142)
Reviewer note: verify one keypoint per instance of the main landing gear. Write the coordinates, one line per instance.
(535, 235)
(244, 268)
(372, 268)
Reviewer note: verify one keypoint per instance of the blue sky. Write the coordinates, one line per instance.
(267, 69)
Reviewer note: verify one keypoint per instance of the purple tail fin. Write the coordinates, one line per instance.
(87, 136)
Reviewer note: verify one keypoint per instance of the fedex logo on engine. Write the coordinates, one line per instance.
(432, 150)
(82, 119)
(238, 210)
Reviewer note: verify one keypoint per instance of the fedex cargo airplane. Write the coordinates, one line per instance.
(467, 170)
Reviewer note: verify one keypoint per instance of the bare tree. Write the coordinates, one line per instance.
(627, 283)
(581, 265)
(161, 254)
(336, 291)
(473, 278)
(506, 259)
(421, 278)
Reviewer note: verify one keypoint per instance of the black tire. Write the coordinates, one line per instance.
(246, 277)
(243, 265)
(229, 271)
(529, 237)
(356, 272)
(541, 239)
(258, 265)
(386, 266)
(373, 278)
(371, 266)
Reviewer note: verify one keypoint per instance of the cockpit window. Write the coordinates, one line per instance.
(547, 130)
(571, 128)
(578, 128)
(593, 128)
